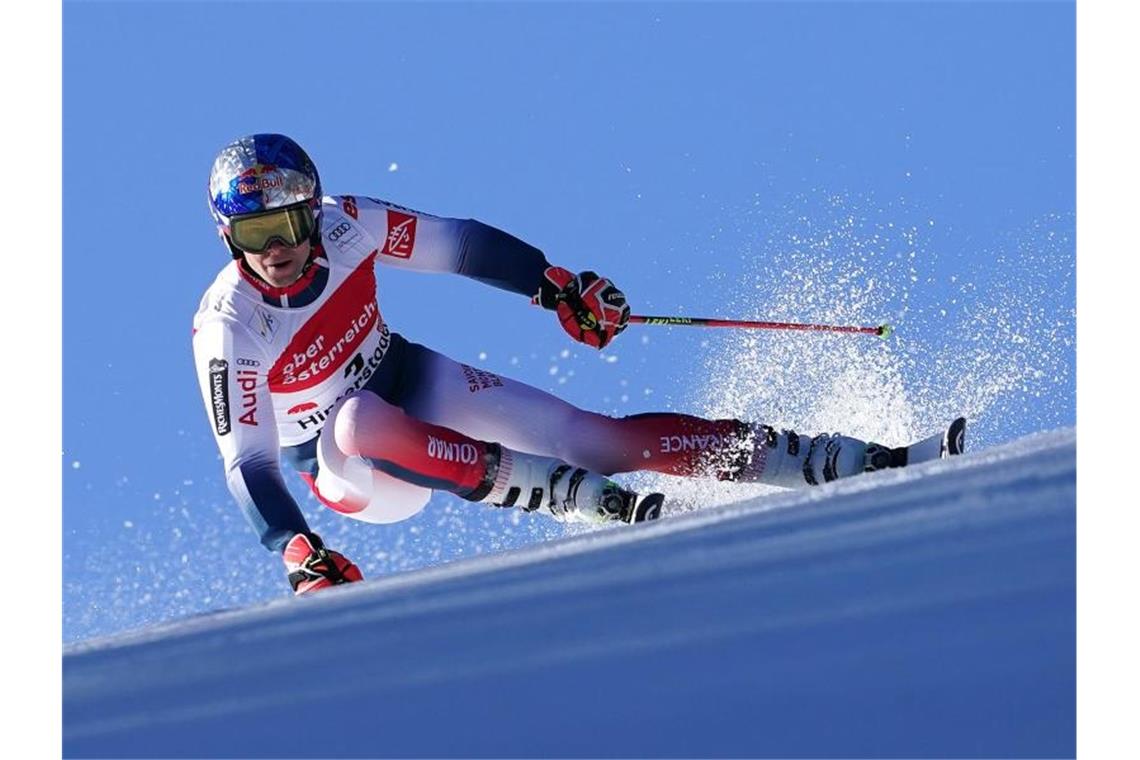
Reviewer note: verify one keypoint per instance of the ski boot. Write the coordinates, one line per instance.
(790, 460)
(567, 493)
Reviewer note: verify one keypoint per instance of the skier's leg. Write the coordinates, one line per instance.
(492, 407)
(496, 408)
(431, 456)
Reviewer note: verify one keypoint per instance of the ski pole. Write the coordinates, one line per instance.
(882, 331)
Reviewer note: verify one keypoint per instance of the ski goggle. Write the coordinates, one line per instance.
(291, 225)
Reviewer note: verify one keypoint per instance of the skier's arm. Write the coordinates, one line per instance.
(590, 308)
(231, 373)
(415, 240)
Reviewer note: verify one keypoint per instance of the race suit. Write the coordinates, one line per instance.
(272, 363)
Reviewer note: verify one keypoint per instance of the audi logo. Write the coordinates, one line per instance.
(339, 231)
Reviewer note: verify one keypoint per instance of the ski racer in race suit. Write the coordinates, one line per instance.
(296, 362)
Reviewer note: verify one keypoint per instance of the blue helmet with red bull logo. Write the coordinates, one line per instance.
(260, 173)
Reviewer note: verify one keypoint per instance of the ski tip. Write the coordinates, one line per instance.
(956, 437)
(884, 331)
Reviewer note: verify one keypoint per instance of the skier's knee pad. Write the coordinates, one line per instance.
(346, 481)
(792, 460)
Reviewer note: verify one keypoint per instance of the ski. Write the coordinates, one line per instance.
(950, 442)
(647, 508)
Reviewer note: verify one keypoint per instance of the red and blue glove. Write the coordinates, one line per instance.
(590, 308)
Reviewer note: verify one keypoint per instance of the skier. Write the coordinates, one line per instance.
(295, 361)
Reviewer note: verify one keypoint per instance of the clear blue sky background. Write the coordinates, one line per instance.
(863, 162)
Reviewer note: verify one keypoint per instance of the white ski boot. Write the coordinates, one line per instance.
(790, 460)
(567, 493)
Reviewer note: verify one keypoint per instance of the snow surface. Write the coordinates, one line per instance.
(918, 612)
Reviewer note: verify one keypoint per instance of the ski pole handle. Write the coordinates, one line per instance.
(882, 331)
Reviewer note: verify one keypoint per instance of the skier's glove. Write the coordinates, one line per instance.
(312, 567)
(590, 308)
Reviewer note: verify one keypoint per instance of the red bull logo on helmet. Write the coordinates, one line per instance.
(258, 178)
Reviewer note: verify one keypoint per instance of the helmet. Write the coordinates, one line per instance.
(260, 173)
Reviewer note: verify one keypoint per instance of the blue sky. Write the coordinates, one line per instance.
(865, 162)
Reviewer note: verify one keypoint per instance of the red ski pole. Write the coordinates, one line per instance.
(882, 331)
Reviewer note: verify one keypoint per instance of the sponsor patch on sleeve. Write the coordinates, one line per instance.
(343, 235)
(348, 203)
(401, 235)
(220, 395)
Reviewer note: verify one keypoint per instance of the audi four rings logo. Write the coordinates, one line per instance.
(339, 231)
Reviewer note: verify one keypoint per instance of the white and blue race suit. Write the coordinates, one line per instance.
(274, 363)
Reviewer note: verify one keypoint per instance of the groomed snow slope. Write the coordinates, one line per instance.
(928, 611)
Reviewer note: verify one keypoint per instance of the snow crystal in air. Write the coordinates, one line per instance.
(482, 356)
(75, 465)
(990, 338)
(393, 167)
